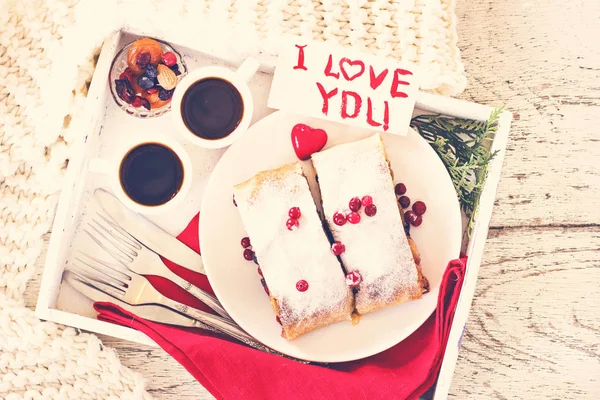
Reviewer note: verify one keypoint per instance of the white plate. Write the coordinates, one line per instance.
(267, 145)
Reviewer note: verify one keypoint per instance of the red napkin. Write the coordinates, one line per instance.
(233, 371)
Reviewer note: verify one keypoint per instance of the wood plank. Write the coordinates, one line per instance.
(533, 330)
(542, 61)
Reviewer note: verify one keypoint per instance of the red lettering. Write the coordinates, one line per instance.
(326, 96)
(300, 58)
(357, 63)
(376, 80)
(328, 72)
(394, 92)
(386, 115)
(357, 104)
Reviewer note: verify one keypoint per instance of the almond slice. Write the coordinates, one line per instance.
(166, 78)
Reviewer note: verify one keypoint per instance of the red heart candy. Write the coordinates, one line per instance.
(307, 140)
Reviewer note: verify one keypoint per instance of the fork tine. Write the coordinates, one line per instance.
(108, 289)
(126, 236)
(101, 270)
(115, 250)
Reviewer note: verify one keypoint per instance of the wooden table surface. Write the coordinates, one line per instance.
(534, 330)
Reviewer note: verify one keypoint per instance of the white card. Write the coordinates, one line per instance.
(344, 85)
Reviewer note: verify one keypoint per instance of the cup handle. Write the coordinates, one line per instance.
(99, 166)
(248, 69)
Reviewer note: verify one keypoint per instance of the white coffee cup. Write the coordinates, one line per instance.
(238, 79)
(111, 167)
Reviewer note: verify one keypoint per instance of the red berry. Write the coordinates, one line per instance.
(366, 201)
(169, 58)
(302, 285)
(292, 224)
(152, 90)
(128, 73)
(412, 218)
(353, 279)
(294, 212)
(354, 218)
(354, 204)
(339, 219)
(248, 254)
(137, 102)
(234, 203)
(400, 189)
(419, 207)
(371, 210)
(245, 242)
(259, 271)
(404, 201)
(338, 248)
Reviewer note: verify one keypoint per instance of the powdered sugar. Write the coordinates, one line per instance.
(287, 257)
(376, 246)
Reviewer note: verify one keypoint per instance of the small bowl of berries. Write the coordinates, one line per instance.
(143, 77)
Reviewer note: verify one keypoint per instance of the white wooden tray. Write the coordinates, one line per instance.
(104, 124)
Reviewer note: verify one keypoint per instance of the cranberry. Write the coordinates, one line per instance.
(245, 242)
(371, 210)
(302, 285)
(339, 218)
(248, 254)
(169, 59)
(366, 201)
(419, 207)
(292, 224)
(137, 102)
(353, 279)
(354, 204)
(404, 201)
(412, 218)
(354, 218)
(259, 271)
(338, 248)
(400, 189)
(294, 212)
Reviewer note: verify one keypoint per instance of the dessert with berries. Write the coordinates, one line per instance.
(300, 269)
(362, 212)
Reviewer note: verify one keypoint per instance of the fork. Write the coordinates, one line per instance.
(136, 290)
(136, 257)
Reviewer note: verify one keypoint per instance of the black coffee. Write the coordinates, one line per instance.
(151, 174)
(212, 108)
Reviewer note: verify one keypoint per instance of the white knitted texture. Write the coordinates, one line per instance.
(46, 53)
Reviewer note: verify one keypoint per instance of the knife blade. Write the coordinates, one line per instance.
(149, 234)
(150, 312)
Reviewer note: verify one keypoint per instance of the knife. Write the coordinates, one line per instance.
(152, 236)
(150, 312)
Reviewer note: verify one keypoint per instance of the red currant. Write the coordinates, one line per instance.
(354, 218)
(302, 285)
(248, 254)
(338, 248)
(400, 189)
(366, 201)
(245, 242)
(294, 213)
(419, 207)
(339, 219)
(259, 271)
(353, 279)
(354, 204)
(412, 218)
(292, 224)
(169, 58)
(371, 210)
(404, 201)
(418, 221)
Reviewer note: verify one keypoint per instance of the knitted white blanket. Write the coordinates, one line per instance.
(46, 58)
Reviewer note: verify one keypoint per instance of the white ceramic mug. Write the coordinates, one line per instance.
(111, 167)
(238, 79)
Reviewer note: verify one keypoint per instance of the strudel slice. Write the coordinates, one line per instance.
(305, 280)
(375, 243)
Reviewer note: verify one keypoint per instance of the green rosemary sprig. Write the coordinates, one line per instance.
(464, 147)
